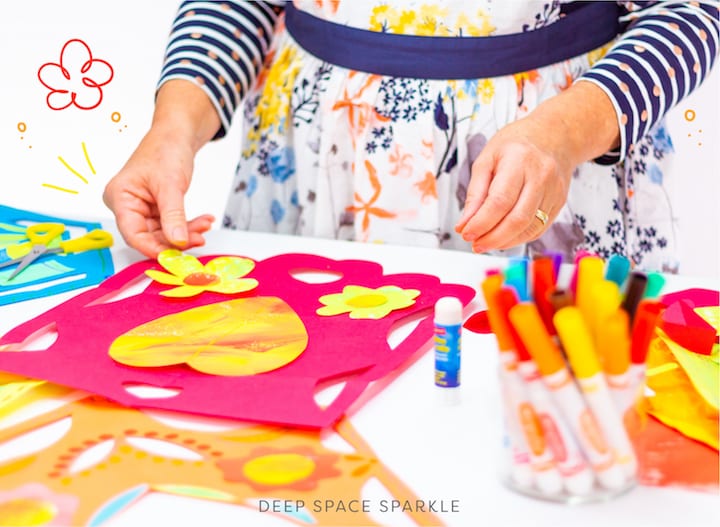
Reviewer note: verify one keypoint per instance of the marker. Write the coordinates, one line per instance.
(578, 478)
(557, 260)
(655, 283)
(604, 301)
(590, 271)
(579, 347)
(566, 396)
(634, 291)
(448, 325)
(560, 298)
(579, 256)
(520, 471)
(516, 276)
(614, 341)
(646, 320)
(618, 267)
(526, 432)
(541, 452)
(543, 283)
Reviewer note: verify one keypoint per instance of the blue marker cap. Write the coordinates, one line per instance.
(617, 269)
(516, 276)
(655, 283)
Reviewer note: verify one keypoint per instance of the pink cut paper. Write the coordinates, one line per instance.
(340, 349)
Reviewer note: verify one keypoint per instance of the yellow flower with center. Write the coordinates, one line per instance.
(219, 275)
(364, 302)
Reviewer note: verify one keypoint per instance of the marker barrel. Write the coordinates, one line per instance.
(523, 422)
(577, 475)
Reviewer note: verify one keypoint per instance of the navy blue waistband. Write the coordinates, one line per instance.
(587, 26)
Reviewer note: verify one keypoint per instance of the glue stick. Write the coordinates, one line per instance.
(448, 324)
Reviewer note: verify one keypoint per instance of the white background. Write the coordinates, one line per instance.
(131, 35)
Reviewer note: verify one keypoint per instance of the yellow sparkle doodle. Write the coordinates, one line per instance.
(219, 275)
(364, 302)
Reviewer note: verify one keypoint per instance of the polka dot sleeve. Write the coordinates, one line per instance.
(220, 46)
(665, 53)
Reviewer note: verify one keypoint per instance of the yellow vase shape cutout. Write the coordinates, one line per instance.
(238, 337)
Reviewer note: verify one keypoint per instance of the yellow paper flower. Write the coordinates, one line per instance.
(364, 302)
(219, 275)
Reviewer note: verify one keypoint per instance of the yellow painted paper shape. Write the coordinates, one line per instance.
(239, 337)
(676, 401)
(702, 370)
(365, 302)
(711, 315)
(219, 275)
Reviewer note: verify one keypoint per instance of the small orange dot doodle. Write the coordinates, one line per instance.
(115, 116)
(689, 115)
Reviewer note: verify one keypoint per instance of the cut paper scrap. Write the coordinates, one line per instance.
(703, 372)
(667, 458)
(684, 324)
(711, 315)
(340, 350)
(676, 399)
(144, 453)
(54, 273)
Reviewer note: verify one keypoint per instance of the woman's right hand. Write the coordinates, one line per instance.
(147, 195)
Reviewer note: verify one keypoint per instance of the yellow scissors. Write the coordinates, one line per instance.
(42, 234)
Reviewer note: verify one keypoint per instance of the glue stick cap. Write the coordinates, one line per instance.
(448, 311)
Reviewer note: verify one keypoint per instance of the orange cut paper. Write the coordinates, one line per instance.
(240, 465)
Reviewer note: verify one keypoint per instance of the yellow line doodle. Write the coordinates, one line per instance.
(87, 158)
(71, 169)
(74, 172)
(69, 191)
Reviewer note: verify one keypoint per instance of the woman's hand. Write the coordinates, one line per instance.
(524, 171)
(147, 195)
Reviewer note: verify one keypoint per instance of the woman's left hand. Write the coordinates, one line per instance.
(520, 181)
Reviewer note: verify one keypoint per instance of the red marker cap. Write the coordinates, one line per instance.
(647, 317)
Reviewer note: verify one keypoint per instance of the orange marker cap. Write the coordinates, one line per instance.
(506, 299)
(530, 327)
(490, 286)
(577, 342)
(543, 279)
(613, 343)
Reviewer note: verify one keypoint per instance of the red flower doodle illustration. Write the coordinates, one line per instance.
(77, 79)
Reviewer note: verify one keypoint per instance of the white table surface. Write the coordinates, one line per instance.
(440, 450)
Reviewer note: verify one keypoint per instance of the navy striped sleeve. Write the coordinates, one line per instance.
(665, 53)
(220, 46)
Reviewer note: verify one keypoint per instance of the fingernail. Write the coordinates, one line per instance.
(179, 236)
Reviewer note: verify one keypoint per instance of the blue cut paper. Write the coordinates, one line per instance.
(79, 270)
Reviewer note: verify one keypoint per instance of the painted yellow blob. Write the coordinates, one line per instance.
(28, 512)
(279, 469)
(367, 300)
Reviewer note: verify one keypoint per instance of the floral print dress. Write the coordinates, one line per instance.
(331, 152)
